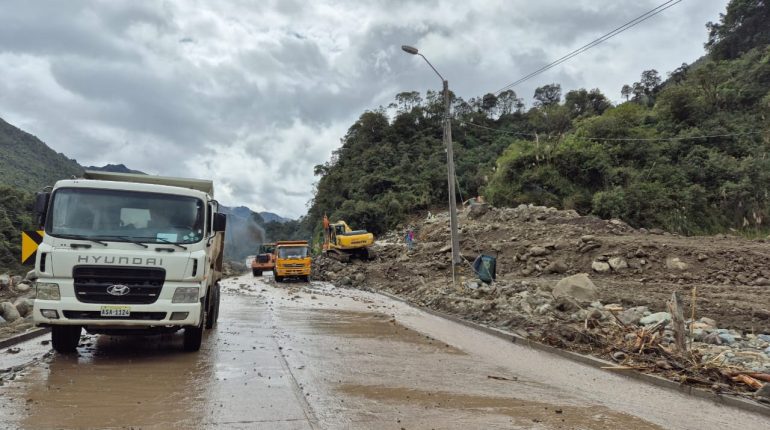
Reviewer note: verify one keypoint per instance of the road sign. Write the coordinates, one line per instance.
(29, 241)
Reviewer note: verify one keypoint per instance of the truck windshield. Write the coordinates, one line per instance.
(292, 252)
(125, 216)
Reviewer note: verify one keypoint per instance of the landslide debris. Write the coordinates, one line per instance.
(595, 286)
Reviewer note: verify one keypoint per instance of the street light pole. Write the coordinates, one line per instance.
(456, 258)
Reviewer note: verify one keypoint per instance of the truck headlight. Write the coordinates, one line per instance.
(47, 291)
(185, 295)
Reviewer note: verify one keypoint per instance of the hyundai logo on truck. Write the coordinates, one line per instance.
(118, 290)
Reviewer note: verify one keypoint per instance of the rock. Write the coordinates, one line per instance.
(674, 263)
(22, 287)
(360, 277)
(15, 280)
(2, 321)
(617, 264)
(656, 231)
(763, 394)
(655, 318)
(702, 257)
(565, 304)
(708, 321)
(477, 211)
(640, 253)
(472, 285)
(9, 312)
(762, 282)
(632, 316)
(346, 280)
(764, 337)
(557, 266)
(590, 246)
(538, 251)
(587, 238)
(24, 307)
(712, 339)
(5, 281)
(578, 287)
(600, 266)
(727, 338)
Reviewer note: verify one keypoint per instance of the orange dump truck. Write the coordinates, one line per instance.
(264, 261)
(292, 260)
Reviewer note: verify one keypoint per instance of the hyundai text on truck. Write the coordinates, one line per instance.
(128, 254)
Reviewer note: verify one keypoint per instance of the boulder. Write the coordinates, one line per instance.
(9, 312)
(24, 307)
(655, 318)
(674, 263)
(22, 287)
(763, 394)
(15, 280)
(5, 281)
(631, 316)
(478, 210)
(360, 277)
(556, 266)
(578, 287)
(538, 251)
(762, 282)
(600, 266)
(617, 263)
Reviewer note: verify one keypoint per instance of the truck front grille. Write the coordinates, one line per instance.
(96, 315)
(92, 283)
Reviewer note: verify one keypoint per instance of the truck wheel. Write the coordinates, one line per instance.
(256, 272)
(306, 278)
(65, 338)
(278, 278)
(193, 336)
(213, 316)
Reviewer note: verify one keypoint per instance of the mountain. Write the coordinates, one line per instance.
(28, 164)
(115, 168)
(271, 217)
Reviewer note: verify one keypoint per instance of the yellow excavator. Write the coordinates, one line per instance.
(343, 243)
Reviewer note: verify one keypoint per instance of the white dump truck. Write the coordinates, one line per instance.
(128, 254)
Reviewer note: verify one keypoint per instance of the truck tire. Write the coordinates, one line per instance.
(213, 316)
(306, 278)
(193, 336)
(256, 272)
(65, 338)
(278, 278)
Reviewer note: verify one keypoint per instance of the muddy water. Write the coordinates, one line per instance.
(314, 358)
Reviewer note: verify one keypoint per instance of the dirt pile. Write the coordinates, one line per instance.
(628, 275)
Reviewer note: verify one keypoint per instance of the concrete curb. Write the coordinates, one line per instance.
(31, 334)
(737, 402)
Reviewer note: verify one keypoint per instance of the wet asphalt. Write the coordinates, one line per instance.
(311, 356)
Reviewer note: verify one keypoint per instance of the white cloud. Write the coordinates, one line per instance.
(254, 94)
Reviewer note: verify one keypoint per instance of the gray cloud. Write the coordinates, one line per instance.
(254, 94)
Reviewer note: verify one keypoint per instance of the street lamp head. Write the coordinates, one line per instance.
(409, 49)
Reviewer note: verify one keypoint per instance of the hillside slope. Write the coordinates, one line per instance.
(28, 164)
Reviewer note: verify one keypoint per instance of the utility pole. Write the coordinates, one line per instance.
(450, 161)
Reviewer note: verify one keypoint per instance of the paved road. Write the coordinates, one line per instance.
(315, 357)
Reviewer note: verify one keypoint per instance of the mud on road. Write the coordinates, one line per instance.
(314, 356)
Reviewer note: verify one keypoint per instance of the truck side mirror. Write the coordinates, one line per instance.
(220, 222)
(40, 208)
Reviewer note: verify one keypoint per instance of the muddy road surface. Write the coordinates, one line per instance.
(299, 356)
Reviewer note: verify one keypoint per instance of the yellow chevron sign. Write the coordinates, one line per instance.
(29, 242)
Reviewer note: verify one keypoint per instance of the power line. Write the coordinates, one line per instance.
(621, 139)
(638, 20)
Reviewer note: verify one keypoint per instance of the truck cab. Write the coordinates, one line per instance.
(292, 260)
(128, 254)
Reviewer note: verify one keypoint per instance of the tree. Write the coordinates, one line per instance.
(508, 103)
(743, 27)
(626, 91)
(548, 95)
(650, 81)
(408, 100)
(582, 102)
(679, 74)
(489, 103)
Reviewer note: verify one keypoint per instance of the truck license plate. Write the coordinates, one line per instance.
(116, 311)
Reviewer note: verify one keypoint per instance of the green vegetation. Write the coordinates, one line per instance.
(15, 216)
(28, 164)
(646, 161)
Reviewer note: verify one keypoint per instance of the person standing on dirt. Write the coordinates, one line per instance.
(409, 239)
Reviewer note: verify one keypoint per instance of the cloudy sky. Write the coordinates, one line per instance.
(255, 93)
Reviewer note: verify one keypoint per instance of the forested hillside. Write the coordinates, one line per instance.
(688, 153)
